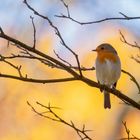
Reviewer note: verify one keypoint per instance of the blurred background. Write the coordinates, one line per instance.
(79, 102)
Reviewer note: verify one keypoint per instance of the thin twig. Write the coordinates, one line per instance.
(34, 43)
(49, 110)
(125, 17)
(74, 74)
(126, 42)
(33, 80)
(52, 65)
(18, 68)
(57, 32)
(132, 78)
(127, 130)
(67, 7)
(136, 59)
(39, 53)
(135, 45)
(61, 58)
(128, 133)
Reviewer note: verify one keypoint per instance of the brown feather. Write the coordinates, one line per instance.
(102, 56)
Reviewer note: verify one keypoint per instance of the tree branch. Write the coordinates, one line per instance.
(82, 133)
(37, 52)
(67, 7)
(68, 16)
(26, 79)
(113, 91)
(57, 32)
(62, 59)
(132, 78)
(136, 59)
(34, 43)
(69, 70)
(30, 52)
(123, 39)
(128, 134)
(18, 68)
(135, 45)
(96, 21)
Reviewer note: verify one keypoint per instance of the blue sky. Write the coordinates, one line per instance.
(81, 9)
(15, 15)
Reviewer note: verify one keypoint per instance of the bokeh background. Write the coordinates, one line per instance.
(79, 102)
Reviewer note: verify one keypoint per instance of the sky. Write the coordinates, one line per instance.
(80, 103)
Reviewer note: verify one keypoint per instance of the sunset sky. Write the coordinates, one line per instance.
(79, 102)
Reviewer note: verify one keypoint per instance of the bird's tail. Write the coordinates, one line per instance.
(107, 103)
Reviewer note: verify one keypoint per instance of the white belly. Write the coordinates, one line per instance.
(108, 73)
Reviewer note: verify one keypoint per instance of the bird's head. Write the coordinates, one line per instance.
(105, 48)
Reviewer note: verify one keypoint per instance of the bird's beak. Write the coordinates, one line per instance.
(94, 50)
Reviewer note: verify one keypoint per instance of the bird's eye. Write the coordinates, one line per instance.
(102, 48)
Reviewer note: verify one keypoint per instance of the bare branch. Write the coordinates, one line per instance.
(70, 70)
(68, 16)
(98, 21)
(54, 117)
(135, 45)
(132, 78)
(18, 68)
(136, 59)
(126, 42)
(127, 130)
(67, 7)
(113, 91)
(30, 52)
(128, 134)
(46, 62)
(42, 114)
(25, 79)
(39, 53)
(52, 65)
(124, 15)
(57, 32)
(62, 59)
(32, 57)
(34, 43)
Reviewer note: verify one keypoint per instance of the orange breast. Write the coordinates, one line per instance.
(102, 56)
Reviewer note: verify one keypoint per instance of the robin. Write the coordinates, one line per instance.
(108, 69)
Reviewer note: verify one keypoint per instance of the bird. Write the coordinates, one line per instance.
(108, 69)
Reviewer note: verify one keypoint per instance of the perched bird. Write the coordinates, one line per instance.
(108, 69)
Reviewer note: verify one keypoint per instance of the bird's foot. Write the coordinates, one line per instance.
(102, 88)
